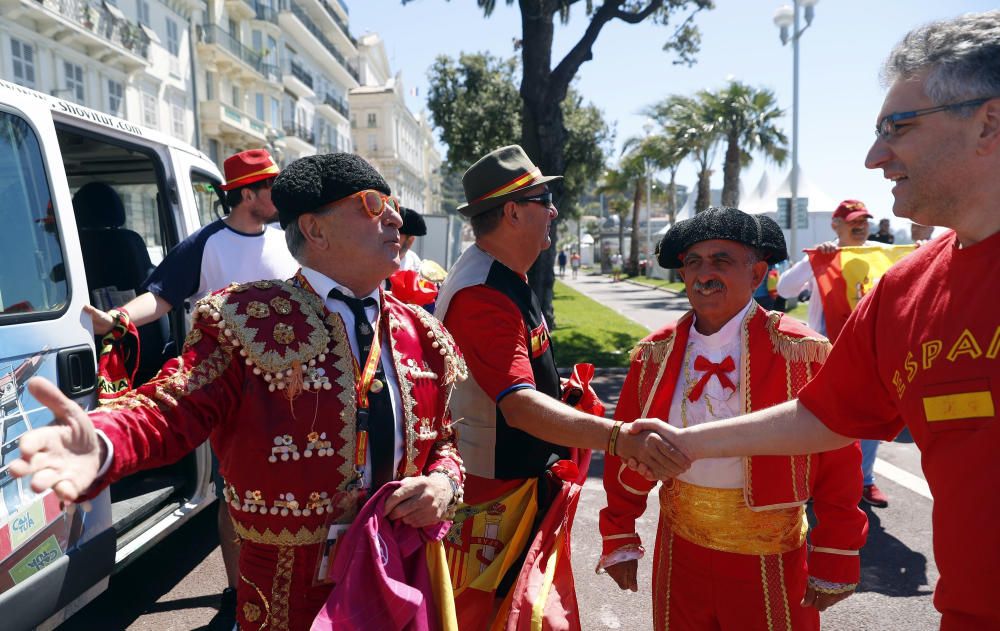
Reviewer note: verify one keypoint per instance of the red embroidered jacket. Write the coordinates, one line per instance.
(267, 375)
(780, 355)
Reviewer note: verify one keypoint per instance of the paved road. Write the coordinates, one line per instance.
(175, 587)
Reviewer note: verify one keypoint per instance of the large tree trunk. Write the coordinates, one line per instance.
(731, 173)
(633, 249)
(543, 134)
(704, 199)
(621, 234)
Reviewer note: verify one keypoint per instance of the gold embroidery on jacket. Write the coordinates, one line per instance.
(343, 367)
(302, 537)
(281, 588)
(796, 349)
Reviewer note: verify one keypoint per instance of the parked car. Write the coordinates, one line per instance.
(55, 259)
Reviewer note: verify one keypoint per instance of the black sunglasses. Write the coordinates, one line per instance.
(545, 199)
(886, 127)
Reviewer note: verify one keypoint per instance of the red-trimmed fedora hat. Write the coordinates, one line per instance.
(247, 167)
(499, 177)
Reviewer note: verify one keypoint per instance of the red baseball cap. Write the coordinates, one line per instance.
(851, 209)
(247, 167)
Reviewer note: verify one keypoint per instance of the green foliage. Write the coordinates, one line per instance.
(590, 332)
(475, 104)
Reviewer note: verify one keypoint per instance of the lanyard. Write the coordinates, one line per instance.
(364, 382)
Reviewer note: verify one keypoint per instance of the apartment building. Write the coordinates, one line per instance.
(129, 58)
(388, 135)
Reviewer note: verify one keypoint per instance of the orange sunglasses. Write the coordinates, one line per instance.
(375, 202)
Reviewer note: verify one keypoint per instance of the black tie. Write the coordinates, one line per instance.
(381, 425)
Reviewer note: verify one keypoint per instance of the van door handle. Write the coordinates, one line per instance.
(75, 371)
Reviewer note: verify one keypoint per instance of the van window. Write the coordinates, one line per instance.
(33, 279)
(208, 201)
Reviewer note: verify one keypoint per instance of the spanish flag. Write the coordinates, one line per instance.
(845, 276)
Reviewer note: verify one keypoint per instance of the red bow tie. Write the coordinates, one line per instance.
(719, 370)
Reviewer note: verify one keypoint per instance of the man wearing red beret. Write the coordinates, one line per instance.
(240, 247)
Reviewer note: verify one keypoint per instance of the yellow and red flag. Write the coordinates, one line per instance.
(843, 278)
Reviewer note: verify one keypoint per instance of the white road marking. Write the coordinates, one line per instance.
(902, 477)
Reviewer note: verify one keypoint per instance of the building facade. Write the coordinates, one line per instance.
(399, 144)
(276, 73)
(128, 58)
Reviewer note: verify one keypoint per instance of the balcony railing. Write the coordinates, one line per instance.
(266, 13)
(213, 34)
(339, 20)
(300, 73)
(337, 103)
(294, 129)
(97, 19)
(300, 13)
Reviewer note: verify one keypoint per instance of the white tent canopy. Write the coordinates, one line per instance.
(819, 202)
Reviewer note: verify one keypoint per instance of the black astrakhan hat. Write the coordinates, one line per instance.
(413, 223)
(731, 224)
(314, 181)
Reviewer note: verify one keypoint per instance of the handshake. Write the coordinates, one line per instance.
(653, 448)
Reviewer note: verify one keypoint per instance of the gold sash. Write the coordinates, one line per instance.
(720, 519)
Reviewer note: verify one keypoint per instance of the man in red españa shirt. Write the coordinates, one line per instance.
(921, 350)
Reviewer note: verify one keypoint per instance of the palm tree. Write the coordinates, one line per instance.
(745, 116)
(692, 127)
(616, 183)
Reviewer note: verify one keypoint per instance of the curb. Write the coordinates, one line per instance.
(664, 289)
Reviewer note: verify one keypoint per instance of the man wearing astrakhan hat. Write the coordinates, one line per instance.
(517, 432)
(316, 393)
(241, 247)
(731, 550)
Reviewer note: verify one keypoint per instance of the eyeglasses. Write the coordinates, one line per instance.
(545, 199)
(887, 127)
(375, 202)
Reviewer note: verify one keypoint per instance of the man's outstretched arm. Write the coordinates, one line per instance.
(788, 428)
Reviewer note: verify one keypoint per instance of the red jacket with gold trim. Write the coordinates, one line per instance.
(779, 355)
(267, 375)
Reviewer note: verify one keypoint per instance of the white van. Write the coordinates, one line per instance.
(54, 259)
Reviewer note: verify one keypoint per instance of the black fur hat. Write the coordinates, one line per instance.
(314, 181)
(413, 223)
(731, 224)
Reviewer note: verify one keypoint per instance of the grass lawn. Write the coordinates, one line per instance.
(799, 312)
(590, 332)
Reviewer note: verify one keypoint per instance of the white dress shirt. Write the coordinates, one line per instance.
(323, 284)
(716, 402)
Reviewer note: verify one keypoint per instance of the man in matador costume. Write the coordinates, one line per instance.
(314, 392)
(733, 548)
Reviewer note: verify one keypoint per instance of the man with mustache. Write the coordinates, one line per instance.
(850, 222)
(731, 550)
(315, 393)
(514, 432)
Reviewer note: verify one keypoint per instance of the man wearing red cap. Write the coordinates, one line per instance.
(315, 393)
(240, 247)
(850, 222)
(731, 549)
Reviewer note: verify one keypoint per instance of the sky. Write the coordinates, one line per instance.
(840, 56)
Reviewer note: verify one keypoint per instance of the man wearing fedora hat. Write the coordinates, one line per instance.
(730, 550)
(315, 392)
(240, 247)
(513, 426)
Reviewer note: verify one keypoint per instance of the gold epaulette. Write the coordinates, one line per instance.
(277, 326)
(655, 350)
(796, 349)
(455, 368)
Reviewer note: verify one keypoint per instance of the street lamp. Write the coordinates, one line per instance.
(785, 18)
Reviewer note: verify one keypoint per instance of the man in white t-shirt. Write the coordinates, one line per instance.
(241, 247)
(850, 222)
